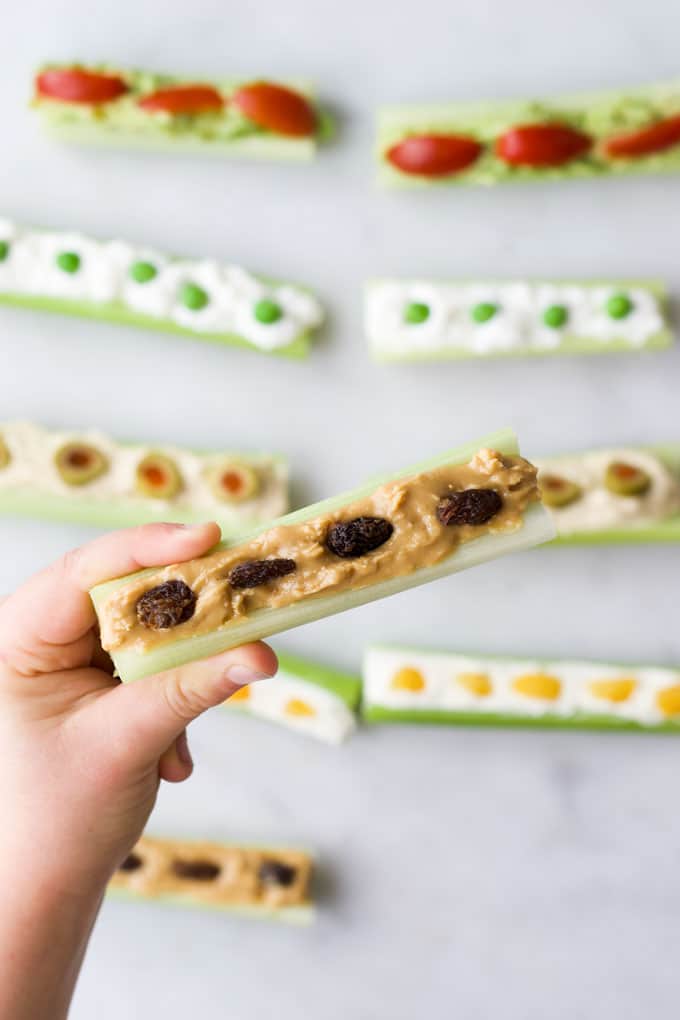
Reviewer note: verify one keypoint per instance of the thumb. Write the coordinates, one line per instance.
(154, 712)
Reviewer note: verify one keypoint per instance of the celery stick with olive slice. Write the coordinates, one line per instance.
(403, 684)
(617, 494)
(88, 478)
(453, 511)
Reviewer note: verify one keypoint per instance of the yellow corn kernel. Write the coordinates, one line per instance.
(242, 694)
(668, 700)
(298, 707)
(408, 679)
(538, 685)
(616, 690)
(478, 684)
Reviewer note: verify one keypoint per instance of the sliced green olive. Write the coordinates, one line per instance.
(619, 306)
(267, 311)
(483, 312)
(5, 455)
(68, 261)
(558, 491)
(555, 316)
(142, 272)
(4, 250)
(193, 297)
(232, 482)
(416, 312)
(626, 480)
(158, 476)
(80, 463)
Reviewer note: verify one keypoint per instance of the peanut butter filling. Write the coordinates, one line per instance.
(214, 874)
(418, 521)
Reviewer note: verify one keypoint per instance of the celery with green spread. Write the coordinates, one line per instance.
(139, 109)
(624, 131)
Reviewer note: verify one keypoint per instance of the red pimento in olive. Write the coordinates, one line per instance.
(434, 155)
(542, 145)
(75, 85)
(276, 109)
(655, 138)
(158, 476)
(188, 99)
(232, 482)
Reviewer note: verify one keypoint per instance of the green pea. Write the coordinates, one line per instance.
(68, 261)
(193, 297)
(619, 306)
(142, 272)
(4, 250)
(555, 316)
(267, 311)
(416, 313)
(483, 312)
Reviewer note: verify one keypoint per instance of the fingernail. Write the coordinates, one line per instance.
(241, 675)
(182, 747)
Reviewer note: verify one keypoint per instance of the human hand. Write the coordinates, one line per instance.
(83, 753)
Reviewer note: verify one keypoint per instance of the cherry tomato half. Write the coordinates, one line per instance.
(276, 108)
(183, 99)
(74, 85)
(434, 155)
(541, 145)
(655, 138)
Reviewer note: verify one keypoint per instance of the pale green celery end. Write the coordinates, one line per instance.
(118, 314)
(378, 714)
(345, 686)
(302, 915)
(658, 531)
(107, 514)
(537, 528)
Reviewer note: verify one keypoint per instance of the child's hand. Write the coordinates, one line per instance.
(82, 753)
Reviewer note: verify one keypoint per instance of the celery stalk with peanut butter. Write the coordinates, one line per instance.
(453, 511)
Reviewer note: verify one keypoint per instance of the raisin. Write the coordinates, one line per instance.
(358, 537)
(198, 871)
(277, 873)
(166, 605)
(132, 862)
(471, 506)
(255, 572)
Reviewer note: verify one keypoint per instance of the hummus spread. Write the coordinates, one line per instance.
(215, 874)
(417, 537)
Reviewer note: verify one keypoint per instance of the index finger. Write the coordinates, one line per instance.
(53, 609)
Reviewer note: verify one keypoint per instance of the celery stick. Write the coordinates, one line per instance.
(447, 331)
(666, 530)
(444, 700)
(601, 115)
(537, 528)
(313, 700)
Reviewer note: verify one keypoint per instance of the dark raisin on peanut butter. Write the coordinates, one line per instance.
(471, 506)
(348, 539)
(277, 873)
(198, 871)
(132, 862)
(166, 605)
(255, 572)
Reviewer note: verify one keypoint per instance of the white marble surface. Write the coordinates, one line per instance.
(476, 874)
